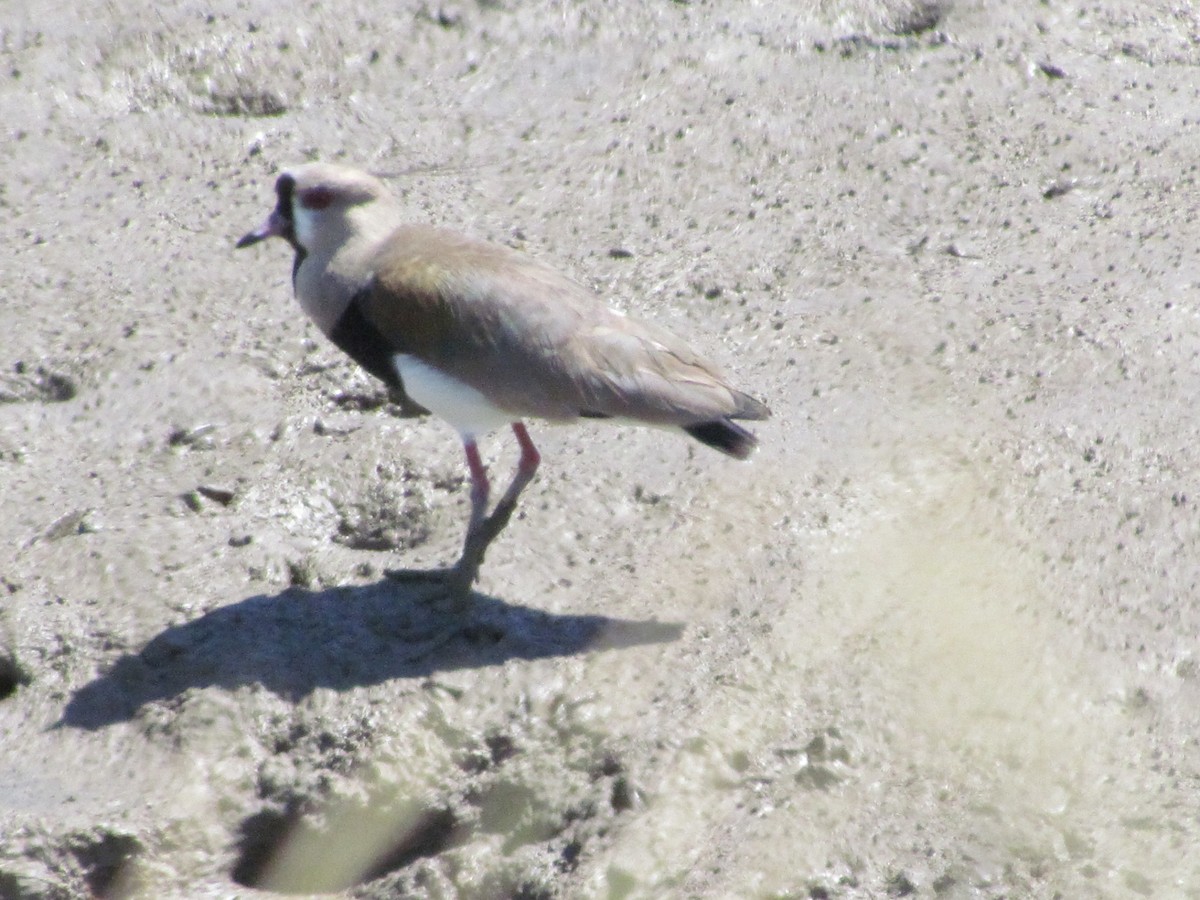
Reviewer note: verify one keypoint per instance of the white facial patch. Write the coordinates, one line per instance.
(304, 225)
(461, 405)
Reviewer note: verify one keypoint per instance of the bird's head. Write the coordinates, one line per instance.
(320, 206)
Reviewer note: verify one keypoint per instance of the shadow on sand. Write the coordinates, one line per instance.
(296, 641)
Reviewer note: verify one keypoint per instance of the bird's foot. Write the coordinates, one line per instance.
(450, 586)
(451, 603)
(417, 576)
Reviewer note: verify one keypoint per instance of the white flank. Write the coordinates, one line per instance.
(459, 404)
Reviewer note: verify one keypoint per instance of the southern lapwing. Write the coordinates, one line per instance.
(483, 336)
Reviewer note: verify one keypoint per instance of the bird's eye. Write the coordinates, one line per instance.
(315, 198)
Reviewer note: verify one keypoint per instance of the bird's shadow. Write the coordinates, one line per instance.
(296, 641)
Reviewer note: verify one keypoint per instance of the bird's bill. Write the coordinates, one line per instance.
(275, 226)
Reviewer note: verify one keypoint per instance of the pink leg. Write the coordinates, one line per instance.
(482, 529)
(529, 454)
(526, 467)
(480, 488)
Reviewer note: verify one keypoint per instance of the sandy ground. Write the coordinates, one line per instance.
(939, 638)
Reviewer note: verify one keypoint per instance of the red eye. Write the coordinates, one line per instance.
(315, 198)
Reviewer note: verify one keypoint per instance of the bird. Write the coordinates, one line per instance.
(484, 336)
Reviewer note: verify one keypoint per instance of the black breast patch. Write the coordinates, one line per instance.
(366, 345)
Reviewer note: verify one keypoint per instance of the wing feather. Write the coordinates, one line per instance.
(535, 342)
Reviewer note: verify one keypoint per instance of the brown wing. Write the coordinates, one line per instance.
(640, 371)
(533, 341)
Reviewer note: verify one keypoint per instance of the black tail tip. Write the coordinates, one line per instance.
(724, 435)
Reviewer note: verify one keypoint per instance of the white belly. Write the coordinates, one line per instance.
(459, 404)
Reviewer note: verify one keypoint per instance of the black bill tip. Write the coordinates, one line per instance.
(247, 239)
